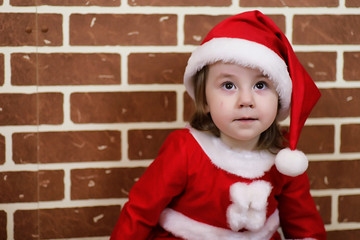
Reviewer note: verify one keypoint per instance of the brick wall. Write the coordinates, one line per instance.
(90, 89)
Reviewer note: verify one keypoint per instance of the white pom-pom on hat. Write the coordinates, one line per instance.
(291, 162)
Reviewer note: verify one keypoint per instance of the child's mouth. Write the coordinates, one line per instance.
(246, 119)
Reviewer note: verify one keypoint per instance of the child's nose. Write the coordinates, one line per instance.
(245, 99)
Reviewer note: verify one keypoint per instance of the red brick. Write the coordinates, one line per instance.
(326, 29)
(113, 107)
(2, 149)
(189, 107)
(197, 26)
(65, 222)
(2, 70)
(334, 174)
(179, 3)
(145, 144)
(317, 139)
(51, 185)
(23, 186)
(349, 208)
(30, 29)
(99, 183)
(57, 147)
(351, 69)
(344, 102)
(31, 109)
(343, 234)
(25, 147)
(350, 138)
(162, 68)
(26, 224)
(3, 224)
(123, 29)
(289, 3)
(65, 69)
(321, 66)
(323, 205)
(65, 3)
(352, 3)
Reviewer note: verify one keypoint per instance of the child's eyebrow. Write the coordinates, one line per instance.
(225, 75)
(262, 75)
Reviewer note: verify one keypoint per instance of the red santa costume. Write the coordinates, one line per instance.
(199, 188)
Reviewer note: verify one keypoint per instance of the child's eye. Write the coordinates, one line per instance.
(260, 85)
(228, 85)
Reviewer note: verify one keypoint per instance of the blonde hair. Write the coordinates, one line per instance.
(271, 139)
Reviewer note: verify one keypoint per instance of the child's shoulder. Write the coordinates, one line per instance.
(179, 133)
(180, 136)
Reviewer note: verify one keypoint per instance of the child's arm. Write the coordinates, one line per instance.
(299, 217)
(164, 179)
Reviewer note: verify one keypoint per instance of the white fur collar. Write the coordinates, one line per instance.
(247, 164)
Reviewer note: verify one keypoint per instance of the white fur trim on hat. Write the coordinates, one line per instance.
(291, 162)
(245, 53)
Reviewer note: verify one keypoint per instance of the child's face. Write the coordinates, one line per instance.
(242, 102)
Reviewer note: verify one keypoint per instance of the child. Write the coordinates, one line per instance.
(228, 176)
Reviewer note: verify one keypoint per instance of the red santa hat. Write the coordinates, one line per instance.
(253, 40)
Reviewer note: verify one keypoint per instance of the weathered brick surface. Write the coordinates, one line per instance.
(26, 224)
(323, 205)
(351, 66)
(326, 29)
(65, 69)
(350, 134)
(31, 109)
(197, 26)
(112, 107)
(163, 68)
(289, 3)
(334, 174)
(349, 208)
(51, 185)
(3, 224)
(321, 66)
(123, 29)
(344, 102)
(2, 149)
(145, 144)
(65, 222)
(352, 3)
(2, 71)
(65, 3)
(56, 147)
(78, 75)
(19, 187)
(343, 234)
(317, 139)
(179, 2)
(103, 183)
(31, 186)
(30, 29)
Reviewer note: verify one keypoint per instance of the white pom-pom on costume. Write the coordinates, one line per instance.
(291, 162)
